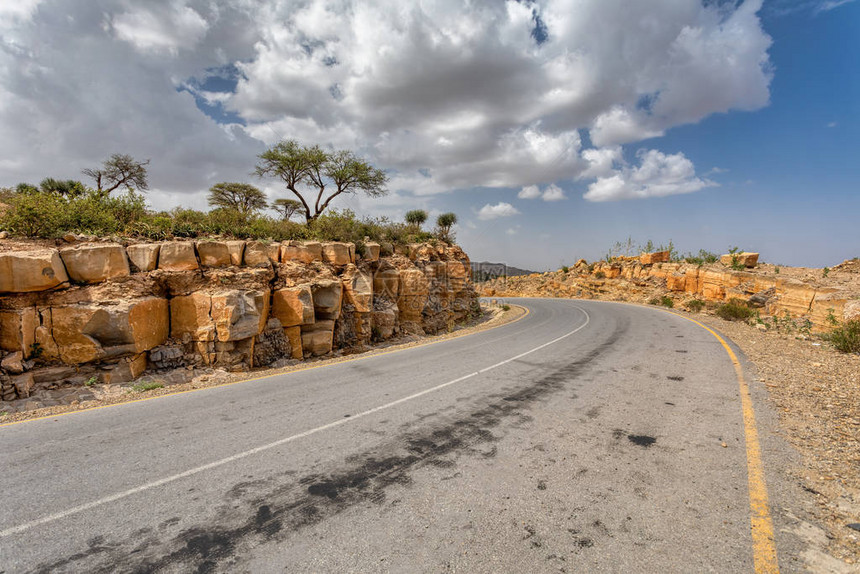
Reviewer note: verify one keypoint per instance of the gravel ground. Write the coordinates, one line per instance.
(816, 391)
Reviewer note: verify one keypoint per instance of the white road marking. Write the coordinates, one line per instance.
(154, 484)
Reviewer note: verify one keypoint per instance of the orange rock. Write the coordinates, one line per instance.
(26, 271)
(95, 263)
(304, 252)
(177, 256)
(338, 253)
(190, 317)
(144, 256)
(214, 253)
(655, 257)
(293, 306)
(358, 288)
(294, 335)
(18, 330)
(744, 258)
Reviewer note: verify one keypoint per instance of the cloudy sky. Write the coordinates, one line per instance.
(553, 128)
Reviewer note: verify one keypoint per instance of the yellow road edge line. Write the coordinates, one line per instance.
(761, 523)
(362, 356)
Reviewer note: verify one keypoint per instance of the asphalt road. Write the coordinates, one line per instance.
(586, 437)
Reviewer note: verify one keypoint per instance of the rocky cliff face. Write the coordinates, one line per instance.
(804, 294)
(105, 312)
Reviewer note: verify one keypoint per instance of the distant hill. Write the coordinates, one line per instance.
(484, 270)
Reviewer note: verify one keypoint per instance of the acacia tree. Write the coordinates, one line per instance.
(444, 222)
(286, 207)
(315, 177)
(120, 170)
(416, 217)
(242, 197)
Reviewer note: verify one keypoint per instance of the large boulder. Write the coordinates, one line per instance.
(178, 256)
(90, 332)
(358, 288)
(95, 263)
(257, 254)
(26, 271)
(214, 253)
(371, 251)
(237, 251)
(387, 284)
(384, 319)
(293, 306)
(18, 330)
(338, 253)
(240, 314)
(144, 256)
(414, 294)
(745, 259)
(655, 257)
(317, 338)
(303, 252)
(327, 297)
(190, 318)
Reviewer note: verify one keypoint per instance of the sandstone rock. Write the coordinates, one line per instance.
(851, 312)
(126, 370)
(317, 339)
(338, 253)
(178, 256)
(257, 254)
(294, 335)
(27, 271)
(274, 251)
(214, 253)
(761, 298)
(88, 332)
(23, 384)
(190, 317)
(384, 319)
(240, 314)
(746, 259)
(414, 293)
(387, 284)
(794, 297)
(18, 330)
(676, 282)
(358, 288)
(237, 251)
(327, 297)
(49, 375)
(303, 252)
(144, 256)
(371, 251)
(293, 306)
(4, 234)
(13, 363)
(655, 257)
(95, 263)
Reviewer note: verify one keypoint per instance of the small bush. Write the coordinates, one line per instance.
(147, 386)
(664, 301)
(600, 275)
(734, 310)
(565, 269)
(845, 338)
(506, 307)
(695, 305)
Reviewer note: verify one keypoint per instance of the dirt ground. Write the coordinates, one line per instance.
(816, 391)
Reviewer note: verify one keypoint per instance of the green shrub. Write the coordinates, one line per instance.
(600, 275)
(142, 387)
(664, 301)
(734, 310)
(695, 305)
(565, 269)
(846, 337)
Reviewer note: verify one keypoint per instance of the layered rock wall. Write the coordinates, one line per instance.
(105, 312)
(641, 278)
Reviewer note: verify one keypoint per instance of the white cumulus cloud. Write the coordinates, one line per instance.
(501, 209)
(529, 192)
(553, 193)
(657, 175)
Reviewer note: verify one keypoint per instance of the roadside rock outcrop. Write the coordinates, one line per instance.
(109, 313)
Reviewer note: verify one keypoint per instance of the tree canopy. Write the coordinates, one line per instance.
(120, 170)
(445, 222)
(286, 207)
(416, 217)
(315, 176)
(242, 197)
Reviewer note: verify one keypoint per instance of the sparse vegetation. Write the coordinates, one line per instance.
(664, 301)
(735, 310)
(91, 381)
(416, 218)
(702, 258)
(145, 386)
(695, 305)
(846, 337)
(506, 307)
(444, 223)
(565, 269)
(600, 275)
(825, 272)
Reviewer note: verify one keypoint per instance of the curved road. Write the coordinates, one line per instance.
(587, 436)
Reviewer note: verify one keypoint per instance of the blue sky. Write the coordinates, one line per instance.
(553, 128)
